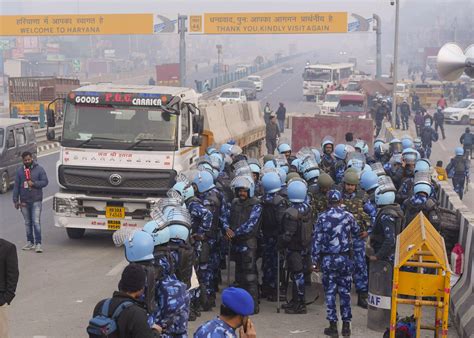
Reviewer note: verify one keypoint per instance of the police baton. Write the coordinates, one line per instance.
(228, 261)
(278, 281)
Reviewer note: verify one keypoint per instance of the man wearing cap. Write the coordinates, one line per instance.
(132, 322)
(332, 252)
(237, 305)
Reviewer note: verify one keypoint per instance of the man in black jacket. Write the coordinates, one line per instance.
(8, 281)
(132, 322)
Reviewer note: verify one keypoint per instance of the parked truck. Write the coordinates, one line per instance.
(167, 74)
(27, 94)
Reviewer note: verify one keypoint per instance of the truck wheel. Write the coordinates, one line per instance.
(465, 120)
(4, 183)
(75, 233)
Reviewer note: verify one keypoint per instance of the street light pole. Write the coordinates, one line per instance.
(395, 63)
(219, 53)
(182, 49)
(378, 45)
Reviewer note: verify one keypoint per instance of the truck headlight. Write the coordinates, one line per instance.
(66, 206)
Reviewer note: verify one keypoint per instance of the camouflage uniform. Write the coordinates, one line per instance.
(319, 201)
(355, 205)
(328, 165)
(215, 328)
(339, 169)
(332, 250)
(173, 304)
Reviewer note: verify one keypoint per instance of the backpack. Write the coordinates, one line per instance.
(468, 139)
(104, 325)
(304, 232)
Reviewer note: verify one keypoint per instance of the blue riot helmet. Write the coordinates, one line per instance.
(185, 190)
(297, 190)
(317, 155)
(235, 150)
(378, 142)
(328, 140)
(231, 142)
(139, 247)
(422, 165)
(409, 155)
(422, 187)
(218, 158)
(369, 180)
(395, 146)
(282, 173)
(178, 231)
(459, 151)
(362, 146)
(160, 236)
(282, 162)
(384, 197)
(283, 148)
(225, 149)
(417, 143)
(407, 143)
(211, 150)
(271, 182)
(356, 160)
(204, 181)
(243, 182)
(295, 164)
(254, 168)
(311, 174)
(270, 164)
(340, 151)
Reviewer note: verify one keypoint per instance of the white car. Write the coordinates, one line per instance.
(461, 112)
(232, 95)
(257, 80)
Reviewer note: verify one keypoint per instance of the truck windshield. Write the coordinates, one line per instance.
(2, 135)
(232, 95)
(317, 75)
(351, 107)
(332, 98)
(119, 127)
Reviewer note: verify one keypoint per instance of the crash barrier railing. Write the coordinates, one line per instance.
(216, 84)
(462, 293)
(40, 133)
(242, 122)
(421, 275)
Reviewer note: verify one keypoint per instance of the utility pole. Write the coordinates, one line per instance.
(182, 49)
(219, 65)
(378, 47)
(395, 62)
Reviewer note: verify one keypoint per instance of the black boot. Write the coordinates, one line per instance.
(331, 330)
(362, 300)
(272, 295)
(192, 314)
(299, 308)
(294, 297)
(346, 329)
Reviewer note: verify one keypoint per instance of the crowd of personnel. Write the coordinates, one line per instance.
(332, 210)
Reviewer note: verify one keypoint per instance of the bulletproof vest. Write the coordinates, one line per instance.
(393, 210)
(186, 259)
(327, 166)
(159, 252)
(240, 213)
(459, 166)
(151, 279)
(271, 225)
(223, 184)
(356, 207)
(214, 207)
(304, 230)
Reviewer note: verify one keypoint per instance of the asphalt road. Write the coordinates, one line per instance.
(59, 288)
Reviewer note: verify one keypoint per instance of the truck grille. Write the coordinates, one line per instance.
(123, 181)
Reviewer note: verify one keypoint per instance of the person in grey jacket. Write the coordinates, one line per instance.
(30, 179)
(272, 135)
(8, 281)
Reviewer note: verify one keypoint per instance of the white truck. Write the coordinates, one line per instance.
(121, 149)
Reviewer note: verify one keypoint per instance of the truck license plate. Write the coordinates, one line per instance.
(113, 225)
(114, 212)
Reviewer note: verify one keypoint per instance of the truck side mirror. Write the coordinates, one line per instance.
(51, 118)
(196, 141)
(198, 124)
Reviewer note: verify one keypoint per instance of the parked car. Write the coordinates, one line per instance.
(287, 69)
(461, 112)
(257, 80)
(249, 87)
(16, 137)
(232, 95)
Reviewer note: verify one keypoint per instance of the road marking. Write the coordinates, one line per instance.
(117, 269)
(48, 199)
(442, 146)
(47, 154)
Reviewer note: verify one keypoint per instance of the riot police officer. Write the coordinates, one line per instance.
(319, 195)
(296, 240)
(327, 159)
(421, 201)
(332, 252)
(458, 171)
(242, 230)
(340, 153)
(273, 208)
(428, 136)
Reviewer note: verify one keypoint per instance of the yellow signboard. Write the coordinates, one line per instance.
(195, 24)
(272, 23)
(83, 24)
(28, 108)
